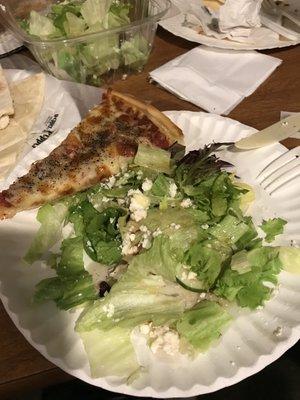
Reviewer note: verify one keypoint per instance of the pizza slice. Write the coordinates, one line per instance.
(102, 143)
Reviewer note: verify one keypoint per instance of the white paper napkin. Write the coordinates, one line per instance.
(214, 79)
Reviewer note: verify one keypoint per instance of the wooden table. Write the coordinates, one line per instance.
(21, 366)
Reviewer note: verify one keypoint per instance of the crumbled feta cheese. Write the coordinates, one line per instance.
(173, 190)
(175, 226)
(268, 284)
(111, 220)
(139, 175)
(132, 237)
(147, 185)
(109, 310)
(105, 199)
(164, 340)
(186, 203)
(202, 295)
(157, 232)
(131, 192)
(144, 229)
(205, 226)
(158, 330)
(145, 329)
(191, 275)
(184, 275)
(127, 248)
(146, 243)
(138, 215)
(188, 275)
(110, 182)
(121, 202)
(139, 205)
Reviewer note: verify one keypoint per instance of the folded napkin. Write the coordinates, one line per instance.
(214, 79)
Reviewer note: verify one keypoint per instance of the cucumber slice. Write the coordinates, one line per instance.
(194, 285)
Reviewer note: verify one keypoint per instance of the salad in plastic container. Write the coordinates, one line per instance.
(87, 41)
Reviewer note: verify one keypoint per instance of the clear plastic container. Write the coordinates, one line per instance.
(96, 58)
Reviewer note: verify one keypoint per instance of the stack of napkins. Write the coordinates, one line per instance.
(214, 79)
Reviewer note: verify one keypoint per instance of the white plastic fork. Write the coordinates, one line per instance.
(280, 171)
(272, 8)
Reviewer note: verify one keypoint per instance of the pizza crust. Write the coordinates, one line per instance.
(172, 132)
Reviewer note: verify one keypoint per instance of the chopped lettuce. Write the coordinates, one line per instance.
(290, 258)
(110, 353)
(206, 262)
(42, 26)
(73, 25)
(153, 158)
(66, 291)
(161, 259)
(101, 236)
(135, 50)
(51, 218)
(272, 228)
(93, 11)
(139, 296)
(203, 324)
(251, 289)
(73, 285)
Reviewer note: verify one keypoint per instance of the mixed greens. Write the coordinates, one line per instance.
(89, 60)
(163, 249)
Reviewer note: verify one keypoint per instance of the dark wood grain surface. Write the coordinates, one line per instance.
(21, 366)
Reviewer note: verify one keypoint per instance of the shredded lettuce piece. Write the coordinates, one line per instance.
(136, 298)
(66, 291)
(251, 289)
(110, 353)
(206, 262)
(101, 236)
(272, 228)
(240, 263)
(290, 258)
(135, 50)
(41, 26)
(72, 285)
(73, 26)
(203, 324)
(95, 10)
(153, 158)
(51, 218)
(161, 259)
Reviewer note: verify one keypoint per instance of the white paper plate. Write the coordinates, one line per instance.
(247, 346)
(175, 25)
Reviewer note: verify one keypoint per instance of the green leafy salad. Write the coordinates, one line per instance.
(163, 249)
(89, 60)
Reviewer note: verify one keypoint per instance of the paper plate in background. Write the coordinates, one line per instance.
(178, 23)
(254, 339)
